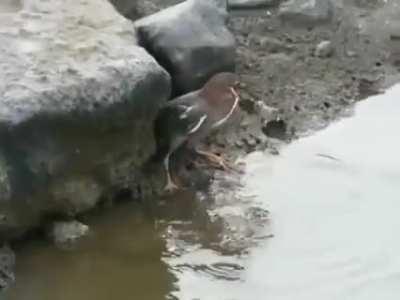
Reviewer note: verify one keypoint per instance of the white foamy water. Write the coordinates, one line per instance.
(335, 203)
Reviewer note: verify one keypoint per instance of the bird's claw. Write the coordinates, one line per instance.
(217, 161)
(171, 187)
(223, 165)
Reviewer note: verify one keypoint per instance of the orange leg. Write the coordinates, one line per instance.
(170, 185)
(216, 160)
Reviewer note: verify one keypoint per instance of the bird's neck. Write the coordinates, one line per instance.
(215, 97)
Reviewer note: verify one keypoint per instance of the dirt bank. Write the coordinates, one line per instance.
(297, 79)
(285, 66)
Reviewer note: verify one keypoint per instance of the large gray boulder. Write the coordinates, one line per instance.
(77, 100)
(190, 40)
(306, 12)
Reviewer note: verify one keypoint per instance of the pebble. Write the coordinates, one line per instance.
(273, 151)
(67, 232)
(351, 53)
(324, 49)
(239, 143)
(271, 44)
(251, 141)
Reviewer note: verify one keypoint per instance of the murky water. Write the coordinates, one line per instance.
(334, 200)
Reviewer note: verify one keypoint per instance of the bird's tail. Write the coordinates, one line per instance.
(162, 145)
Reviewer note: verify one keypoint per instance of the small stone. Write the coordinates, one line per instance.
(251, 141)
(275, 129)
(239, 143)
(350, 53)
(274, 151)
(248, 66)
(65, 233)
(324, 49)
(272, 45)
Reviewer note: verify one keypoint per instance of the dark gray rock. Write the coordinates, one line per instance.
(133, 9)
(128, 8)
(306, 12)
(251, 4)
(67, 233)
(77, 100)
(7, 264)
(190, 40)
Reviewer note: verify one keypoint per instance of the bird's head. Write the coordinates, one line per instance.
(221, 87)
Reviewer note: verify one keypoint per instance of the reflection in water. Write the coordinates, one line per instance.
(138, 252)
(120, 260)
(334, 202)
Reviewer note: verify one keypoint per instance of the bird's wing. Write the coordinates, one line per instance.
(187, 117)
(175, 121)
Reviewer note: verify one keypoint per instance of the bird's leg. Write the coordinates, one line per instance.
(215, 159)
(170, 186)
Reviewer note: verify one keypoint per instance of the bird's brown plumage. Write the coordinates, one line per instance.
(191, 117)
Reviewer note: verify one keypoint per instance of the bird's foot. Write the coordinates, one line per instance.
(173, 184)
(216, 160)
(171, 187)
(222, 164)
